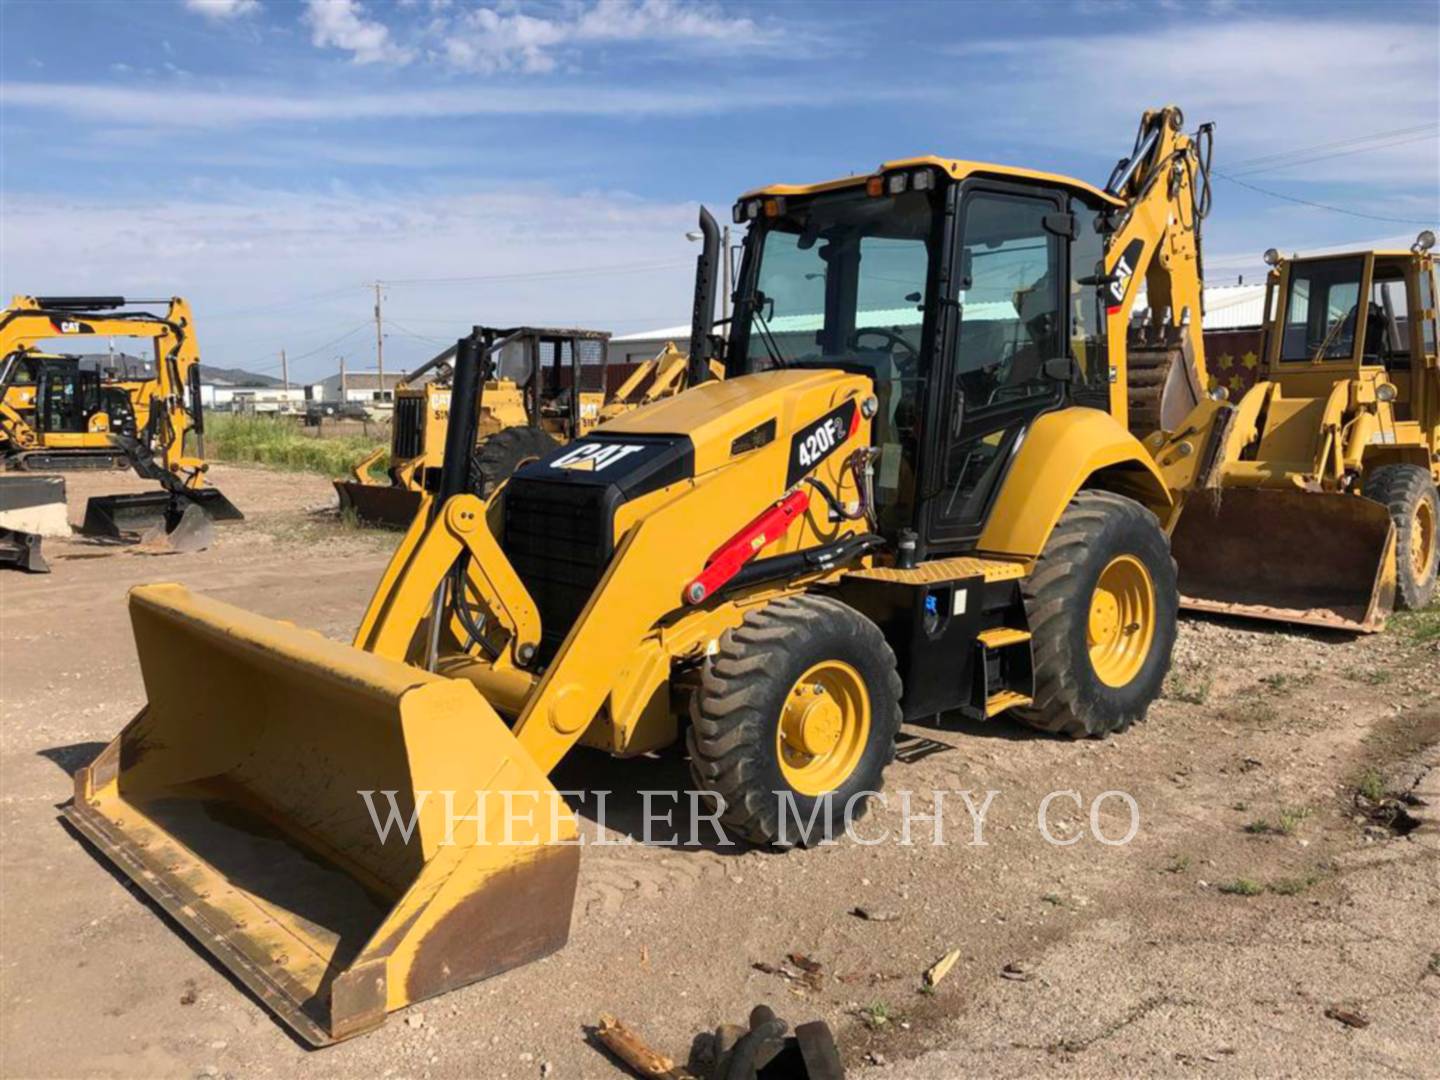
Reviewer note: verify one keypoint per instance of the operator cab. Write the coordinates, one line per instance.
(969, 293)
(1326, 328)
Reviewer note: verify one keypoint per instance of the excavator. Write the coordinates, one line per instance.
(526, 410)
(914, 494)
(56, 415)
(1315, 496)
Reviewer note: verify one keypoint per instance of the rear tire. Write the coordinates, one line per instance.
(497, 458)
(1102, 605)
(758, 701)
(1409, 493)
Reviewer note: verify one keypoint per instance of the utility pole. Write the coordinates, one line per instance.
(284, 371)
(344, 392)
(379, 343)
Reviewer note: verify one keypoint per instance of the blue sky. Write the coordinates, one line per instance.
(505, 161)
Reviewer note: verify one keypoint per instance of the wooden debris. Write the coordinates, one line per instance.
(1016, 973)
(941, 968)
(872, 915)
(1348, 1017)
(627, 1045)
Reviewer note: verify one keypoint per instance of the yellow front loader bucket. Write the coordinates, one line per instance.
(236, 799)
(1291, 556)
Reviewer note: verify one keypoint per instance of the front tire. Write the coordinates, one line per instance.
(801, 704)
(1409, 493)
(1102, 605)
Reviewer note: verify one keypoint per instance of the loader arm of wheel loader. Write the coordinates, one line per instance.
(1160, 373)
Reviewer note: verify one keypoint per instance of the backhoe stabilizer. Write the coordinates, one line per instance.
(346, 834)
(1313, 558)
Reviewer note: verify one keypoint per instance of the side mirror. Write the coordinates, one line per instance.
(1060, 368)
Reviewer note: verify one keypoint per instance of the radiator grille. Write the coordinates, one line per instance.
(408, 438)
(558, 538)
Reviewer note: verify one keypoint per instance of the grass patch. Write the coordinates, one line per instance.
(1370, 676)
(1178, 864)
(1371, 784)
(875, 1015)
(1279, 682)
(1193, 689)
(266, 440)
(1242, 887)
(1418, 625)
(1292, 886)
(1287, 824)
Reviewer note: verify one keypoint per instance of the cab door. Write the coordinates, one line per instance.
(1004, 332)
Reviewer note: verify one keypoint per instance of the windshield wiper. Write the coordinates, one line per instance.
(772, 348)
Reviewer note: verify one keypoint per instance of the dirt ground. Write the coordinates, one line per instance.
(1266, 918)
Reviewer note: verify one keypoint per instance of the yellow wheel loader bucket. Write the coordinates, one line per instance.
(1291, 556)
(237, 800)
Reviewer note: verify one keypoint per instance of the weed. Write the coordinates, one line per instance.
(876, 1014)
(1242, 887)
(1259, 827)
(1434, 966)
(1279, 682)
(1419, 625)
(1242, 806)
(1293, 886)
(1291, 818)
(349, 519)
(1371, 784)
(1191, 689)
(1370, 676)
(1053, 898)
(1178, 864)
(267, 440)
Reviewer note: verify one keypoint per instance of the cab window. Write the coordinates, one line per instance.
(1322, 308)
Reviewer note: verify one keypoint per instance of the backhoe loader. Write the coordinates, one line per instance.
(1314, 497)
(526, 410)
(874, 517)
(55, 415)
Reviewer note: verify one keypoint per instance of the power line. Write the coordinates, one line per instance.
(1246, 164)
(1317, 205)
(1368, 147)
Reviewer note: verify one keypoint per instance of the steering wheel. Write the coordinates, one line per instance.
(908, 362)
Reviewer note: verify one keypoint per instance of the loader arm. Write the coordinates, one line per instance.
(1161, 373)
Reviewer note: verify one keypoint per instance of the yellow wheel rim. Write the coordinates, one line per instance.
(1422, 540)
(1122, 620)
(824, 726)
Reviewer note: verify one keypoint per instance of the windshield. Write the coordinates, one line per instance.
(840, 277)
(1321, 308)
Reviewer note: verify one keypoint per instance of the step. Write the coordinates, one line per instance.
(997, 637)
(995, 704)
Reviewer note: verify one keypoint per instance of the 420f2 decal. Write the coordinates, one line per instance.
(816, 441)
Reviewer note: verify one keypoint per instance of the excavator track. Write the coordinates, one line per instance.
(64, 460)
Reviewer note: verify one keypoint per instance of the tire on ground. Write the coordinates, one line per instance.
(497, 458)
(1071, 698)
(1410, 495)
(736, 712)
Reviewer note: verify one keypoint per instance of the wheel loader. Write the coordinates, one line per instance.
(913, 494)
(56, 415)
(526, 410)
(1313, 498)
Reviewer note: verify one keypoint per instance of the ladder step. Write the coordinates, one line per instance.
(997, 637)
(995, 704)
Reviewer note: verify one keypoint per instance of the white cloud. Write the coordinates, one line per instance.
(239, 250)
(239, 106)
(341, 24)
(507, 37)
(223, 9)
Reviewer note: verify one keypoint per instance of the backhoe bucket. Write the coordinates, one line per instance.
(127, 517)
(378, 504)
(1289, 556)
(284, 798)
